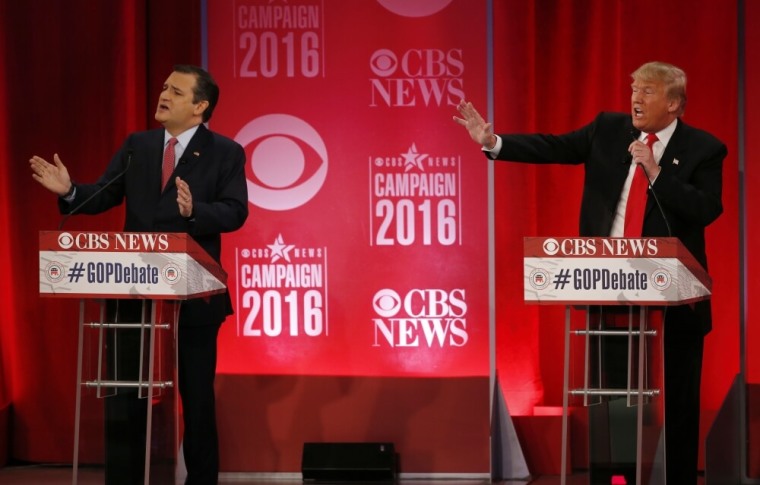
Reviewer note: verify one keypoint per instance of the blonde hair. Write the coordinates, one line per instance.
(673, 77)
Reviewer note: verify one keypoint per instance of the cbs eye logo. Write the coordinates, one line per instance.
(383, 62)
(405, 8)
(551, 246)
(65, 240)
(288, 160)
(386, 303)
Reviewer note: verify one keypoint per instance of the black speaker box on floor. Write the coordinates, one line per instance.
(348, 461)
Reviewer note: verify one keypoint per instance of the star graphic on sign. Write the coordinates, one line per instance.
(413, 159)
(280, 249)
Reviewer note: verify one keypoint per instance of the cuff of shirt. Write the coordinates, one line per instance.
(496, 148)
(68, 197)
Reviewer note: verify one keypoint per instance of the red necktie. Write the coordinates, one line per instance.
(168, 165)
(637, 198)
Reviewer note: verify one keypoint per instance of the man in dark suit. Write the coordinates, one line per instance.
(684, 165)
(204, 194)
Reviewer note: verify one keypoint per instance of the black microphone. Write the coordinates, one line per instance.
(629, 159)
(657, 201)
(628, 155)
(104, 187)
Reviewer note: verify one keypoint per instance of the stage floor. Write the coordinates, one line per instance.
(49, 475)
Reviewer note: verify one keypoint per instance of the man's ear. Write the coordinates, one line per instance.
(200, 108)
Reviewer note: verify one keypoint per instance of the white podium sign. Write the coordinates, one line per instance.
(612, 271)
(126, 265)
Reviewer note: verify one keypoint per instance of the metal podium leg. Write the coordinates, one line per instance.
(149, 397)
(152, 388)
(145, 379)
(162, 428)
(565, 398)
(615, 424)
(78, 408)
(640, 394)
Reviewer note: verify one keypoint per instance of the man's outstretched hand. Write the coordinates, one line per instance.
(480, 131)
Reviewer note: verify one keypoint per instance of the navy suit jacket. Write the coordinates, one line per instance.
(214, 168)
(688, 187)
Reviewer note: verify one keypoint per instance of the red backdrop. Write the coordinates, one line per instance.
(562, 63)
(316, 188)
(565, 65)
(88, 78)
(751, 175)
(556, 64)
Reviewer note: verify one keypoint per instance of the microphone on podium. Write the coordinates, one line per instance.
(101, 189)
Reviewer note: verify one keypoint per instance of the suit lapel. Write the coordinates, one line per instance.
(194, 152)
(623, 166)
(669, 162)
(156, 151)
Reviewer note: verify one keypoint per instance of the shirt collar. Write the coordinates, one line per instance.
(183, 138)
(664, 135)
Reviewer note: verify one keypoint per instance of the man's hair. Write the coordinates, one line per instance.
(205, 89)
(673, 77)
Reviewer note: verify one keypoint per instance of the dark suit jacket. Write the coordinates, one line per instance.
(688, 187)
(214, 168)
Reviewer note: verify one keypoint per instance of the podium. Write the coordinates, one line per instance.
(156, 268)
(622, 285)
